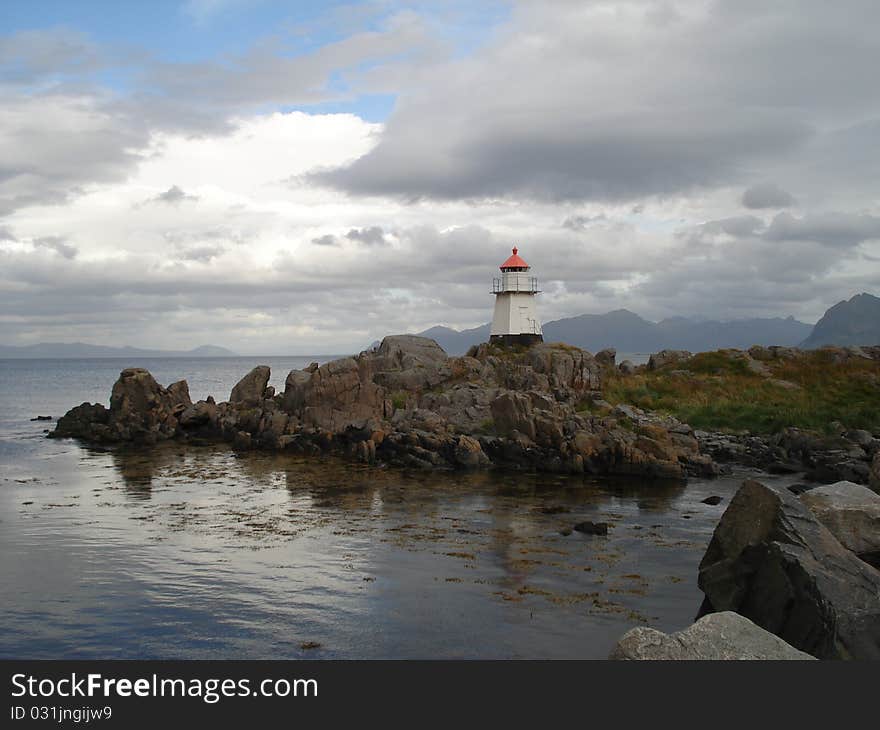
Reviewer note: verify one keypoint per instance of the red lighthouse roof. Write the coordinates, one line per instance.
(514, 262)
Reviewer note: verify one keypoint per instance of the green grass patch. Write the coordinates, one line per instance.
(398, 400)
(720, 393)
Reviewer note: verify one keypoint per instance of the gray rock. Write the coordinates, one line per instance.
(606, 357)
(773, 562)
(512, 411)
(757, 367)
(469, 454)
(251, 388)
(198, 414)
(859, 436)
(852, 513)
(142, 410)
(408, 350)
(725, 635)
(295, 385)
(627, 367)
(79, 422)
(667, 357)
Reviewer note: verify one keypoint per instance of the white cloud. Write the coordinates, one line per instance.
(615, 143)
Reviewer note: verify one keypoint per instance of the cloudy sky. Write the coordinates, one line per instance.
(302, 177)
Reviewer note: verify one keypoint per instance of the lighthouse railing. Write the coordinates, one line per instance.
(515, 284)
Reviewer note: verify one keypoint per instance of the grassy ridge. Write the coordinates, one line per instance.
(719, 391)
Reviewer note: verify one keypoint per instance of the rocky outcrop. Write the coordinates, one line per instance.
(851, 512)
(251, 389)
(773, 562)
(667, 357)
(725, 635)
(86, 421)
(406, 403)
(140, 411)
(844, 456)
(874, 473)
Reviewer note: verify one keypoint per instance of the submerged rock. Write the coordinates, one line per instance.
(773, 562)
(591, 528)
(725, 635)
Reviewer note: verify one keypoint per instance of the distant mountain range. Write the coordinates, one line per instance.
(61, 350)
(628, 332)
(847, 323)
(854, 322)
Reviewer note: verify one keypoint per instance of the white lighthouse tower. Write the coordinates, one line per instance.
(515, 321)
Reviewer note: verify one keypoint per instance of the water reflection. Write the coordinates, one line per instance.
(203, 552)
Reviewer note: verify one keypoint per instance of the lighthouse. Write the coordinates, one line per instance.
(515, 321)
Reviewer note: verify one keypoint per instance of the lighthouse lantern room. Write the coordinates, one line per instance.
(515, 321)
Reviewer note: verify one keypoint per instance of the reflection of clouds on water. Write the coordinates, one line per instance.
(249, 554)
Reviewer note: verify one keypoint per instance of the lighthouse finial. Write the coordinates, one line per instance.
(515, 250)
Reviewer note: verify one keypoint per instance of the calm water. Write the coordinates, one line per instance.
(202, 553)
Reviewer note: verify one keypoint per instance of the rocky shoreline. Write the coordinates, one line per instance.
(784, 577)
(789, 573)
(407, 404)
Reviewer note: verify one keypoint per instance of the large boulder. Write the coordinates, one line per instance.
(142, 410)
(408, 363)
(341, 393)
(405, 351)
(667, 357)
(606, 358)
(725, 635)
(512, 411)
(295, 390)
(569, 370)
(772, 561)
(200, 414)
(468, 453)
(251, 389)
(852, 513)
(86, 421)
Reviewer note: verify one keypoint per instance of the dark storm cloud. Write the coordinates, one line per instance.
(603, 162)
(766, 195)
(740, 226)
(838, 230)
(603, 101)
